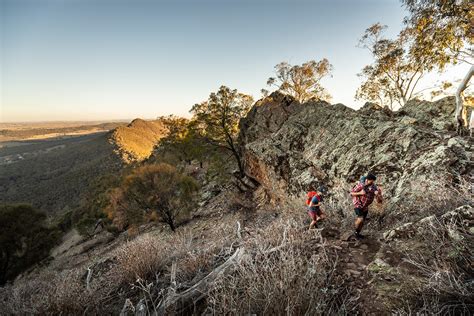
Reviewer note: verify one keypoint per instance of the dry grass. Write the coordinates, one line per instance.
(444, 268)
(145, 263)
(141, 258)
(51, 293)
(138, 270)
(435, 197)
(288, 272)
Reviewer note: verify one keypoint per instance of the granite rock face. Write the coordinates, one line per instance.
(288, 146)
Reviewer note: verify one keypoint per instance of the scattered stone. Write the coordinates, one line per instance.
(351, 265)
(378, 265)
(352, 272)
(387, 278)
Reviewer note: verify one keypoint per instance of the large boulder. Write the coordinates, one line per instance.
(287, 146)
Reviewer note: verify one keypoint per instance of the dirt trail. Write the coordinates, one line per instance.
(353, 260)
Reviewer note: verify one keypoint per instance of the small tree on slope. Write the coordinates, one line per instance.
(218, 119)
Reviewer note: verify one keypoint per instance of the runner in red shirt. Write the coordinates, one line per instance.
(363, 194)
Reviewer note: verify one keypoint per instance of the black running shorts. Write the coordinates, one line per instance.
(361, 212)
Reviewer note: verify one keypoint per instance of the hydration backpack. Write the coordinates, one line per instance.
(311, 195)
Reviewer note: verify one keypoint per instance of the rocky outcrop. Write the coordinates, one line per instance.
(438, 115)
(288, 146)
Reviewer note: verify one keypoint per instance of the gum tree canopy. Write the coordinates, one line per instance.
(443, 31)
(303, 82)
(392, 77)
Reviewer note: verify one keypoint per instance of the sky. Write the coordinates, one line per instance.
(117, 59)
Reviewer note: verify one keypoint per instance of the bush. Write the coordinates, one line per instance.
(159, 188)
(93, 204)
(24, 239)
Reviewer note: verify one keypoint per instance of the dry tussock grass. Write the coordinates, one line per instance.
(140, 258)
(148, 255)
(140, 270)
(284, 274)
(445, 269)
(435, 197)
(51, 293)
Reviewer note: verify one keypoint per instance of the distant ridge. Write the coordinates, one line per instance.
(135, 142)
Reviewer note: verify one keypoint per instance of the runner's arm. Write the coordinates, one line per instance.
(358, 193)
(379, 196)
(358, 190)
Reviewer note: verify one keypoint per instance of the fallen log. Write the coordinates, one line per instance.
(199, 290)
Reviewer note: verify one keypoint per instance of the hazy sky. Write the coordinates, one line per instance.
(116, 59)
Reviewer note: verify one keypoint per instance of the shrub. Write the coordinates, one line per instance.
(157, 187)
(24, 239)
(93, 204)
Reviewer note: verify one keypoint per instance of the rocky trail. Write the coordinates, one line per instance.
(352, 264)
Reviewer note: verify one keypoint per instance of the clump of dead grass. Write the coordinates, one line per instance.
(288, 270)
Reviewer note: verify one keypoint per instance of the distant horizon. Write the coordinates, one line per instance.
(145, 118)
(79, 121)
(91, 60)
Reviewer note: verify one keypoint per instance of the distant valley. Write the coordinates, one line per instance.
(17, 134)
(52, 165)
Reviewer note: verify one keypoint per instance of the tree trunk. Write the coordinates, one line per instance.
(461, 121)
(169, 219)
(239, 163)
(172, 226)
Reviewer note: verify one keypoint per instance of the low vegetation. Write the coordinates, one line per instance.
(157, 191)
(287, 271)
(442, 268)
(25, 239)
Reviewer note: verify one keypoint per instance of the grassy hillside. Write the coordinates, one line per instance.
(136, 141)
